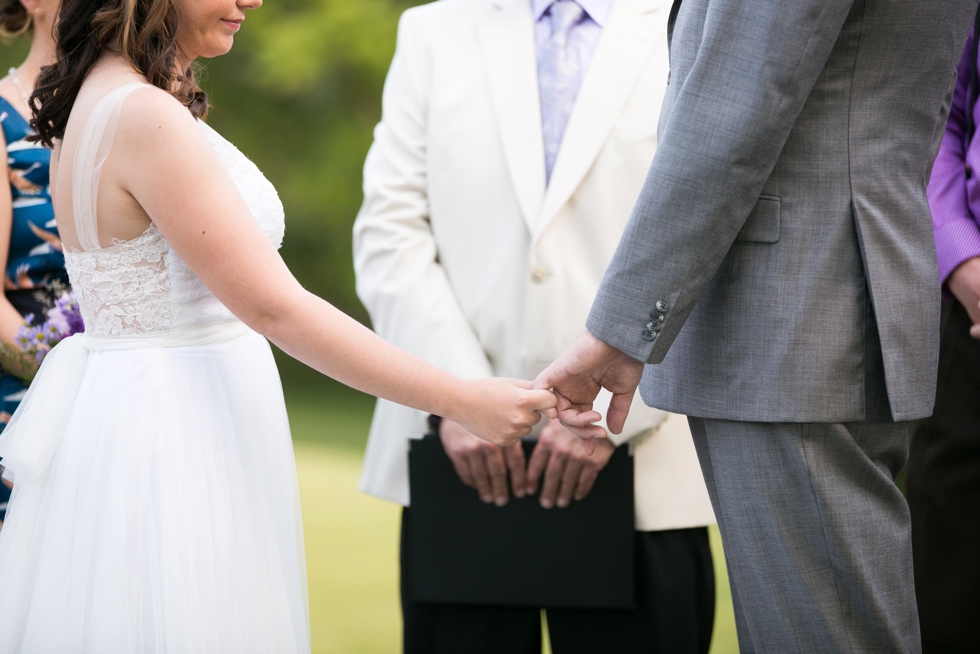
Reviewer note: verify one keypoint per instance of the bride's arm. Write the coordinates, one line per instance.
(163, 159)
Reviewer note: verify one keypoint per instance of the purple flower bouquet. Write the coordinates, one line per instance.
(62, 319)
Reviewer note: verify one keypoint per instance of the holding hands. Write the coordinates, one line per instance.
(500, 411)
(567, 460)
(585, 367)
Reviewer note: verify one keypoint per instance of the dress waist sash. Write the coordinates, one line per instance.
(33, 434)
(203, 334)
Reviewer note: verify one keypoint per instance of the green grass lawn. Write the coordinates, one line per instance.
(352, 539)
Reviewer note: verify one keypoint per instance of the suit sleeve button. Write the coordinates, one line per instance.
(662, 306)
(649, 335)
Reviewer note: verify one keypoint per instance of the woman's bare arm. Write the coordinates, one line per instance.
(10, 319)
(164, 160)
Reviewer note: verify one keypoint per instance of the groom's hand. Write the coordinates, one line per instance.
(482, 465)
(585, 367)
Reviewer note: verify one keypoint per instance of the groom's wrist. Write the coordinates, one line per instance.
(641, 329)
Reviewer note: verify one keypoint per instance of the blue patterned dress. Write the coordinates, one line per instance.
(34, 260)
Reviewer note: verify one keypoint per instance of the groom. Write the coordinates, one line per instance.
(778, 276)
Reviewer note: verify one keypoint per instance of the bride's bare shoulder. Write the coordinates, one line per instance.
(151, 113)
(142, 112)
(154, 129)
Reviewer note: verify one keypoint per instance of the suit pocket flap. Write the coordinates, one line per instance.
(762, 225)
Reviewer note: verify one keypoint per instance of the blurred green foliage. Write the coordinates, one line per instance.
(300, 94)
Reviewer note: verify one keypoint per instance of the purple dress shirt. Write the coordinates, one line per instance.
(583, 36)
(953, 193)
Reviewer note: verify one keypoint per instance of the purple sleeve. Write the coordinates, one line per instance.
(956, 230)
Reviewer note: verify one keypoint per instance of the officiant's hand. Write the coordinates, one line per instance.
(484, 466)
(569, 468)
(585, 367)
(964, 284)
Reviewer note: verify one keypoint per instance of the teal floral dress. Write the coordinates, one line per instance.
(34, 260)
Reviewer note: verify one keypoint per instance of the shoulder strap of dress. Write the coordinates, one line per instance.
(93, 148)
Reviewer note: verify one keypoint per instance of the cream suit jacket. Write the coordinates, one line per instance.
(465, 258)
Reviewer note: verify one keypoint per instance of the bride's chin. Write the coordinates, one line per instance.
(222, 49)
(214, 49)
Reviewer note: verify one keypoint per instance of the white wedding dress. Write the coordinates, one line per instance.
(155, 508)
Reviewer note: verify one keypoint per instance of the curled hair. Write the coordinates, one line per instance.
(144, 32)
(14, 19)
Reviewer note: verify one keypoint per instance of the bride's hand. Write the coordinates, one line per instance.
(501, 411)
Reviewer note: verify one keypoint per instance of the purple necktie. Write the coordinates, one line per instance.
(559, 77)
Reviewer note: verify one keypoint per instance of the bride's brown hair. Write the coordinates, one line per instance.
(144, 32)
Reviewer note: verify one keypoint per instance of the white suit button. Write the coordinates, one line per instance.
(539, 275)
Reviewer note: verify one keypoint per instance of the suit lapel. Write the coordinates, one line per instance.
(620, 56)
(671, 19)
(506, 40)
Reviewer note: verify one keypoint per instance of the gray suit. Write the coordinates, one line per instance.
(779, 269)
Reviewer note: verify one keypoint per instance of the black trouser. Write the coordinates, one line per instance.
(944, 496)
(675, 608)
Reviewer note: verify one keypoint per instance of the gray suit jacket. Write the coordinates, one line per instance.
(779, 265)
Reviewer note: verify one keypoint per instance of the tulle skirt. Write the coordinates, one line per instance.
(167, 520)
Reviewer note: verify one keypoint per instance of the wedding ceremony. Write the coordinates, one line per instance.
(489, 327)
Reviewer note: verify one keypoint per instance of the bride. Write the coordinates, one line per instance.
(155, 505)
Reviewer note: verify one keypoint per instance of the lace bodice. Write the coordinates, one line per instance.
(141, 285)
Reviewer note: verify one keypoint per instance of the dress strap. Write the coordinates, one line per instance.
(93, 149)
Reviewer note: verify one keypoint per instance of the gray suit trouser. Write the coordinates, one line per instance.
(816, 534)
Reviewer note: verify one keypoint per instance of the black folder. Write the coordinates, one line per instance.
(466, 552)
